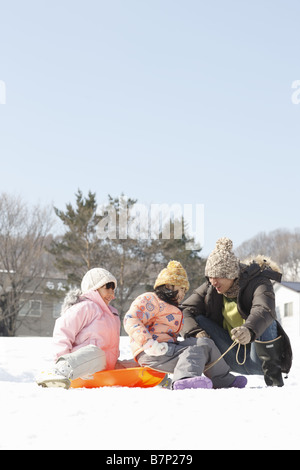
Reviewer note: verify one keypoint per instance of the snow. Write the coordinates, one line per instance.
(125, 418)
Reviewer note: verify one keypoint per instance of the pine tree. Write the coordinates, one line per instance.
(79, 248)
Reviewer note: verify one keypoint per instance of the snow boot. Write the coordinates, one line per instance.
(270, 353)
(56, 377)
(193, 382)
(239, 382)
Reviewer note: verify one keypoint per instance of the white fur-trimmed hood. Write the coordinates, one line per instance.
(263, 261)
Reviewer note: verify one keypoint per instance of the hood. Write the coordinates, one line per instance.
(75, 296)
(261, 265)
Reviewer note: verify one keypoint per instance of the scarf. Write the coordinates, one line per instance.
(232, 293)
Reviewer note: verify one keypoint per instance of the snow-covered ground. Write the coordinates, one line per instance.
(124, 418)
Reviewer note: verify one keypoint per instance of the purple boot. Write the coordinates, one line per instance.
(239, 382)
(192, 382)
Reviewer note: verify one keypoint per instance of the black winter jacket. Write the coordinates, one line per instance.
(255, 302)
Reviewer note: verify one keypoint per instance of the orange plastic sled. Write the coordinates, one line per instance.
(133, 377)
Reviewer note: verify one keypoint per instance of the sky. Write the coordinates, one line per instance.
(167, 101)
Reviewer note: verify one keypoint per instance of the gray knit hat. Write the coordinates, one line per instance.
(222, 262)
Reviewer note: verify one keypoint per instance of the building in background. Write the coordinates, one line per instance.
(288, 304)
(40, 308)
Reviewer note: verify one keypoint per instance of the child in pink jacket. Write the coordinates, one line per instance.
(86, 336)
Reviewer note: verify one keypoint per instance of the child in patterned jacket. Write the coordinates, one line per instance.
(153, 323)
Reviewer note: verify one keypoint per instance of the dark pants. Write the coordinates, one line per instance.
(223, 340)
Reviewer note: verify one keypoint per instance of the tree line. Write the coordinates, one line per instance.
(281, 245)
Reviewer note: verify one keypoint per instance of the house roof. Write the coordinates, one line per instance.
(292, 285)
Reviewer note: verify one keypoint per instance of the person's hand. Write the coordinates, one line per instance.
(154, 348)
(241, 334)
(202, 334)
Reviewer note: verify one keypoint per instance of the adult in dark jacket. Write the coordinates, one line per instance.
(238, 302)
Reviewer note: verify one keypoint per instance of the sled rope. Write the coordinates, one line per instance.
(235, 342)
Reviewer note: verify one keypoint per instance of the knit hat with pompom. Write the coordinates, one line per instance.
(222, 262)
(173, 274)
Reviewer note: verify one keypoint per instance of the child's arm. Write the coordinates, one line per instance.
(136, 320)
(67, 328)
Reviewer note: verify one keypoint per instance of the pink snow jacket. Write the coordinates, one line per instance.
(151, 318)
(90, 321)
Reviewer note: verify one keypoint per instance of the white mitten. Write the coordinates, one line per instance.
(154, 348)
